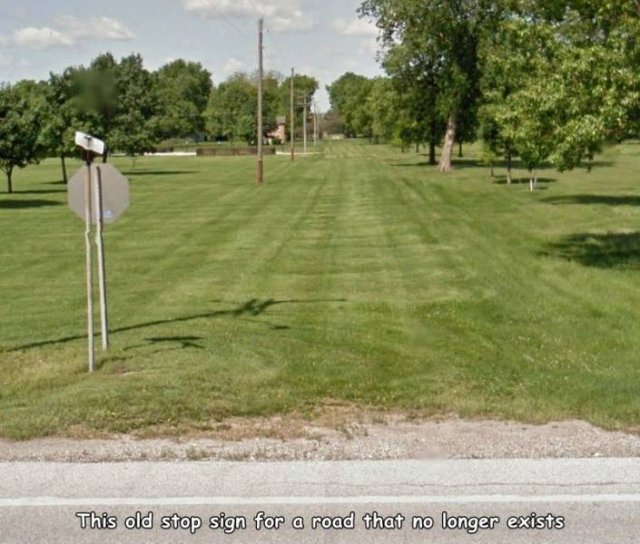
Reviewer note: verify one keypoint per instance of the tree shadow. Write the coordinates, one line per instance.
(184, 342)
(612, 250)
(26, 204)
(422, 164)
(40, 192)
(252, 308)
(518, 180)
(462, 164)
(606, 200)
(598, 164)
(136, 173)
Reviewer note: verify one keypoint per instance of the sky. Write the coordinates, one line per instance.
(321, 38)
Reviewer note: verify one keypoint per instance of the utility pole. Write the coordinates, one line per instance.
(293, 117)
(315, 124)
(306, 109)
(260, 91)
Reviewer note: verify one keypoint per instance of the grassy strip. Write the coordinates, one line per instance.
(361, 276)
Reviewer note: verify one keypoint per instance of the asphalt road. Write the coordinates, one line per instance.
(581, 501)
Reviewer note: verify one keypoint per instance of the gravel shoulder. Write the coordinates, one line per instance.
(388, 438)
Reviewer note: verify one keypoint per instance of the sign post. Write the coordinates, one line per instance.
(102, 276)
(89, 263)
(99, 195)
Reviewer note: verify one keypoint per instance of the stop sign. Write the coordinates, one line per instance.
(115, 192)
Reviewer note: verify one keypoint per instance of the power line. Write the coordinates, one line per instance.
(285, 58)
(230, 22)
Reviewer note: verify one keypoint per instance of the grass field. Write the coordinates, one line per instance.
(361, 277)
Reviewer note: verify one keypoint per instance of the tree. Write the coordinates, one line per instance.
(382, 104)
(232, 109)
(61, 117)
(416, 82)
(445, 37)
(133, 130)
(20, 124)
(183, 89)
(232, 112)
(97, 96)
(348, 96)
(559, 80)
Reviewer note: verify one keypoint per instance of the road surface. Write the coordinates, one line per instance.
(511, 501)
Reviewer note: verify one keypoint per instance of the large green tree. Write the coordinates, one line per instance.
(383, 107)
(183, 89)
(416, 81)
(61, 117)
(232, 113)
(97, 96)
(442, 39)
(20, 123)
(348, 96)
(560, 78)
(133, 128)
(232, 106)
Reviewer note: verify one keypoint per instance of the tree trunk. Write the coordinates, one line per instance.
(509, 168)
(532, 175)
(10, 180)
(64, 168)
(460, 154)
(433, 161)
(417, 148)
(493, 170)
(432, 153)
(447, 150)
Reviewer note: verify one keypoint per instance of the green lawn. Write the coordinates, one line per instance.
(360, 277)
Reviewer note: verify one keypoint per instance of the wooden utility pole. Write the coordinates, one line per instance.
(315, 124)
(304, 122)
(260, 91)
(293, 117)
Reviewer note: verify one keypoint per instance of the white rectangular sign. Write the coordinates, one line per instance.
(89, 143)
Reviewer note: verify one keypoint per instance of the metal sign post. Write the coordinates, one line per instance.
(102, 276)
(99, 195)
(89, 263)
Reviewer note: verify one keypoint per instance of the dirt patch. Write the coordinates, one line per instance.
(339, 436)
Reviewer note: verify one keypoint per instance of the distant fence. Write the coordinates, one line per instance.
(224, 151)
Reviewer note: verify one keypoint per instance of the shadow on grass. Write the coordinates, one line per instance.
(607, 200)
(502, 180)
(252, 308)
(171, 342)
(26, 204)
(613, 250)
(414, 165)
(135, 173)
(41, 192)
(598, 164)
(165, 344)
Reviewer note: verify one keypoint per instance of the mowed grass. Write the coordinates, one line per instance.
(360, 277)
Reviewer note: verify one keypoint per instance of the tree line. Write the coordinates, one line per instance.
(545, 81)
(135, 110)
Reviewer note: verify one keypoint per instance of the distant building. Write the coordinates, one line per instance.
(280, 132)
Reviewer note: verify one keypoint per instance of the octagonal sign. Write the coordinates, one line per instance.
(115, 192)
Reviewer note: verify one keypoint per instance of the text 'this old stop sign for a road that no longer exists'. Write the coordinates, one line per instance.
(115, 192)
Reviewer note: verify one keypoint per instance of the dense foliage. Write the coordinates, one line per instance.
(546, 81)
(135, 110)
